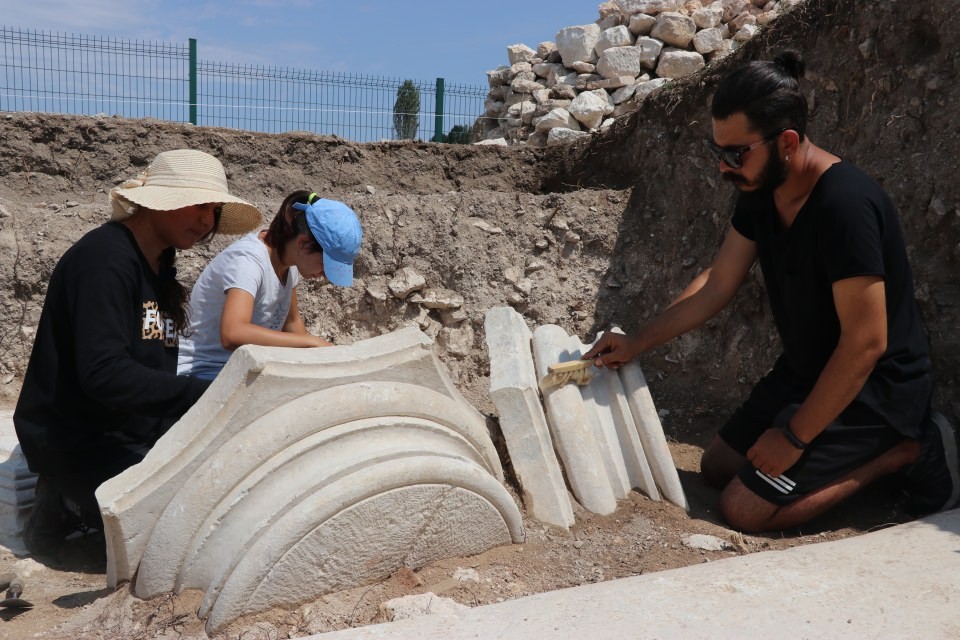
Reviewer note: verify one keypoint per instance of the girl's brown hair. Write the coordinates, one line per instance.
(290, 223)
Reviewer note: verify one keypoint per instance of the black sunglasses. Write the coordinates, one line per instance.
(733, 156)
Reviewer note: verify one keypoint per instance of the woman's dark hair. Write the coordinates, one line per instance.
(172, 297)
(768, 93)
(290, 222)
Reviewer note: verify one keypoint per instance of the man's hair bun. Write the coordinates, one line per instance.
(791, 62)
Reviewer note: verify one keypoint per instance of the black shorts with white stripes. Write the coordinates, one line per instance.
(846, 444)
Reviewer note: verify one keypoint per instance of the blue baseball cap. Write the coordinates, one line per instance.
(337, 228)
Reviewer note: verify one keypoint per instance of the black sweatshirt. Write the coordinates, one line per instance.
(104, 359)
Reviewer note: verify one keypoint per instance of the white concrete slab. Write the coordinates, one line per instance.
(17, 485)
(515, 393)
(902, 582)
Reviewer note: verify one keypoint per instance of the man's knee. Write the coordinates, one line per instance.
(744, 510)
(720, 463)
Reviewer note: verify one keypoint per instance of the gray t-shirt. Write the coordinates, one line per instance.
(245, 265)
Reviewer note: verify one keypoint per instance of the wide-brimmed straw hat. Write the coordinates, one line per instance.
(183, 178)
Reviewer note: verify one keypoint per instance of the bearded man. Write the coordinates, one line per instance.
(848, 400)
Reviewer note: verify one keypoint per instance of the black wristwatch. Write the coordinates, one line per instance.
(792, 437)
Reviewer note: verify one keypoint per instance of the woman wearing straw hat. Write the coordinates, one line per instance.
(101, 386)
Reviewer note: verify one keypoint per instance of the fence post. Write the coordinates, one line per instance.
(438, 118)
(193, 81)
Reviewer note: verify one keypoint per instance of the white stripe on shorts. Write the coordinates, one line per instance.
(783, 484)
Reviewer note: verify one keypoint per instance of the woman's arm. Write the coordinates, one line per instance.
(105, 313)
(294, 322)
(237, 327)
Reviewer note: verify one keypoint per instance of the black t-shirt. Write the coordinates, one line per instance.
(848, 227)
(104, 359)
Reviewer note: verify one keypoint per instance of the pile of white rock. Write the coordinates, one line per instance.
(566, 89)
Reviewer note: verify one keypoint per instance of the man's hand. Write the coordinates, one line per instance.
(772, 453)
(613, 350)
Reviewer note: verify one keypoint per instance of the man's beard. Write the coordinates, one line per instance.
(773, 175)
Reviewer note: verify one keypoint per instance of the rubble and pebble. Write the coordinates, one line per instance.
(564, 90)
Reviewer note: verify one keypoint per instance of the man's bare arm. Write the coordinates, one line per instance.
(702, 299)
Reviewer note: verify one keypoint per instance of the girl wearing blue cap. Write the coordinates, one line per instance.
(247, 294)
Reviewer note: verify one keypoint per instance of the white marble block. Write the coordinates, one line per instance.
(514, 390)
(305, 471)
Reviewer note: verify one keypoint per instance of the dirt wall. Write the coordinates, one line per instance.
(605, 231)
(882, 86)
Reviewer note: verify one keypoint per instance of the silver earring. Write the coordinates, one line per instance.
(786, 159)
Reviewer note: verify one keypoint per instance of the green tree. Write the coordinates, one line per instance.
(459, 134)
(406, 110)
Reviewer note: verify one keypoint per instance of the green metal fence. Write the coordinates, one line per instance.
(77, 74)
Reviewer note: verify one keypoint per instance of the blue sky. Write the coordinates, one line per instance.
(421, 40)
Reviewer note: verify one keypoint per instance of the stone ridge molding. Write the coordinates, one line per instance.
(607, 433)
(305, 471)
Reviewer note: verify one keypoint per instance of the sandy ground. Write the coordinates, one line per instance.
(71, 600)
